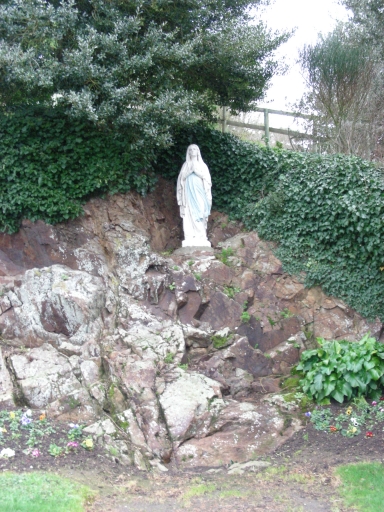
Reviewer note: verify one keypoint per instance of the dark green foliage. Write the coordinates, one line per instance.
(50, 164)
(343, 369)
(220, 341)
(140, 66)
(327, 214)
(367, 21)
(344, 82)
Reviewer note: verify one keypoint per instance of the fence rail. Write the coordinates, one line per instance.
(265, 127)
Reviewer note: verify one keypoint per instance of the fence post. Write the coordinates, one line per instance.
(266, 127)
(224, 120)
(314, 137)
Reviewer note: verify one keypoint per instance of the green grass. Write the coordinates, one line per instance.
(363, 486)
(41, 492)
(199, 490)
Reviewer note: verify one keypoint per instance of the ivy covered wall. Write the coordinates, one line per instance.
(326, 212)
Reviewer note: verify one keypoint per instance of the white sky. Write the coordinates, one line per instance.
(309, 17)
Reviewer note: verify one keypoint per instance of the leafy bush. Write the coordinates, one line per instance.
(50, 164)
(245, 316)
(220, 341)
(169, 358)
(230, 291)
(343, 369)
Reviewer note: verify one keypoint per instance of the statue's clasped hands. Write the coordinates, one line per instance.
(189, 171)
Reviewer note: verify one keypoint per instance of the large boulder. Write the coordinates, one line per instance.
(241, 432)
(55, 304)
(185, 400)
(43, 375)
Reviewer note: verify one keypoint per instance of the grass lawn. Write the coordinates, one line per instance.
(41, 492)
(363, 485)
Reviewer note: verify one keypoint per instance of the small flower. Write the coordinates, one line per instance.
(3, 430)
(354, 422)
(25, 420)
(35, 453)
(332, 428)
(42, 417)
(369, 434)
(7, 453)
(353, 430)
(381, 398)
(87, 443)
(73, 444)
(349, 411)
(308, 414)
(12, 415)
(374, 402)
(73, 425)
(28, 413)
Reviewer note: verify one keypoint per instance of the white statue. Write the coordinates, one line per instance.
(194, 198)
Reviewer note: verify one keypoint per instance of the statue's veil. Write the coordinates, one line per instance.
(199, 157)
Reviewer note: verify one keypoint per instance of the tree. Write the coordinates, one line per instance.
(141, 66)
(367, 21)
(345, 94)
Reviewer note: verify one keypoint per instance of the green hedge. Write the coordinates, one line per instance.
(326, 211)
(50, 164)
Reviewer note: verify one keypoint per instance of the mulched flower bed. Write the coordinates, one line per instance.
(30, 440)
(337, 434)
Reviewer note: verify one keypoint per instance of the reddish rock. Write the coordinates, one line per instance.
(253, 361)
(267, 340)
(241, 432)
(289, 288)
(95, 288)
(188, 312)
(220, 228)
(222, 312)
(265, 385)
(219, 273)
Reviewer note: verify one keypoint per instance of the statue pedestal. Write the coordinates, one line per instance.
(196, 252)
(196, 242)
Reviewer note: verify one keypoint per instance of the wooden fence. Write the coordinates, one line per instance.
(265, 127)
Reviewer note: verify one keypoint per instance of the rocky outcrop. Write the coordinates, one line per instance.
(166, 354)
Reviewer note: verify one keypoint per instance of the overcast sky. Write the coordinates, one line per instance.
(309, 17)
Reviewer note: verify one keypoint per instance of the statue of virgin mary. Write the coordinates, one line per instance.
(194, 198)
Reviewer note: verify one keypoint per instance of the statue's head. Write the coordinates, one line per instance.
(193, 150)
